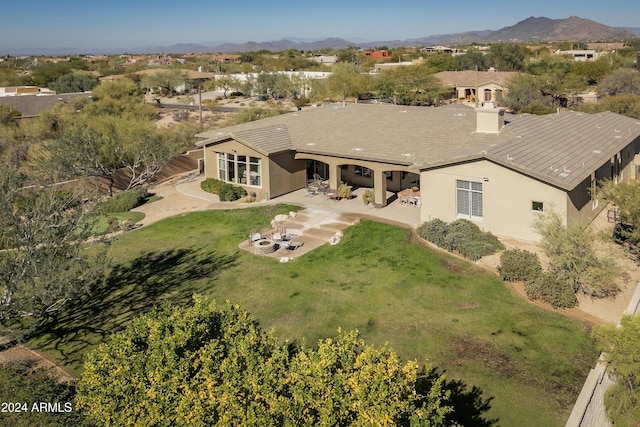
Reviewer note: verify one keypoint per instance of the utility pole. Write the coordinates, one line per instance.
(200, 105)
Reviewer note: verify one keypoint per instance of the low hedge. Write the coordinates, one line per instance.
(225, 191)
(461, 236)
(551, 288)
(518, 265)
(123, 201)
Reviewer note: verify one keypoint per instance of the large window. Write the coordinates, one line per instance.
(243, 170)
(469, 199)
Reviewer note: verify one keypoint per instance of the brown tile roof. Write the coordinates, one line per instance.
(560, 149)
(468, 77)
(564, 149)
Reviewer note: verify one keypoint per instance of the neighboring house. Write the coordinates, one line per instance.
(498, 171)
(491, 85)
(580, 55)
(325, 59)
(377, 68)
(378, 54)
(438, 49)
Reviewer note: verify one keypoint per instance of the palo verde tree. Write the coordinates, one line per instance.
(164, 81)
(621, 347)
(346, 81)
(212, 365)
(625, 196)
(103, 145)
(410, 85)
(42, 264)
(573, 258)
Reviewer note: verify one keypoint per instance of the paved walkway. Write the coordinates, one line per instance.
(183, 194)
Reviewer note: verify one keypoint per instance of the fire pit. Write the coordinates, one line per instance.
(264, 246)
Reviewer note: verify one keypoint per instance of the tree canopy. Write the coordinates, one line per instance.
(621, 346)
(210, 364)
(41, 264)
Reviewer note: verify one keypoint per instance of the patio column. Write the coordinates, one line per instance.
(380, 187)
(334, 176)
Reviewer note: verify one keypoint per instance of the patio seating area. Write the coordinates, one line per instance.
(296, 234)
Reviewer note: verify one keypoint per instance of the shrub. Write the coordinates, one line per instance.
(368, 197)
(227, 192)
(123, 201)
(344, 192)
(434, 231)
(519, 266)
(549, 287)
(461, 236)
(113, 224)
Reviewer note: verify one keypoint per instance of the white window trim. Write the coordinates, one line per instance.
(469, 191)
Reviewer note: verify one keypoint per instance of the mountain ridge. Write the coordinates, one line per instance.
(531, 29)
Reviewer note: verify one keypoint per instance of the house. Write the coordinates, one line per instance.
(491, 85)
(325, 59)
(580, 55)
(499, 171)
(378, 54)
(438, 49)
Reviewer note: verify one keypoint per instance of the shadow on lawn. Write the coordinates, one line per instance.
(128, 290)
(469, 406)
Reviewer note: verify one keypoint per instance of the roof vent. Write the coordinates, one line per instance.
(406, 154)
(357, 149)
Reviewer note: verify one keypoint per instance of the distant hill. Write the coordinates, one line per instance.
(530, 30)
(547, 30)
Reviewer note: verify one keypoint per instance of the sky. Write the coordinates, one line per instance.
(88, 24)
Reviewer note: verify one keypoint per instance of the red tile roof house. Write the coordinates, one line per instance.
(499, 171)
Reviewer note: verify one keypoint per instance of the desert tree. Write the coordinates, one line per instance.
(621, 347)
(42, 262)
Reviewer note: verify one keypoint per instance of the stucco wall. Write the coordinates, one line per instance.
(233, 147)
(507, 197)
(285, 174)
(281, 173)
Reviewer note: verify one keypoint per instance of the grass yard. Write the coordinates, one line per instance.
(101, 225)
(526, 364)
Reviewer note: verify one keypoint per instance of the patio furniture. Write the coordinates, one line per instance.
(331, 193)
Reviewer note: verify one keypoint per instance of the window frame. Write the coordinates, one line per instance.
(472, 196)
(234, 165)
(533, 206)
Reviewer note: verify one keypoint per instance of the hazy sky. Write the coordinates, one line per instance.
(89, 24)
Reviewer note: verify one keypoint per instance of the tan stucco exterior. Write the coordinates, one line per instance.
(281, 173)
(507, 197)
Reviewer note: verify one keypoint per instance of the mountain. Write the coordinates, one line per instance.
(547, 30)
(529, 30)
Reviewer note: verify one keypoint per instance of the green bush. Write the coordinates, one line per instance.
(549, 287)
(368, 197)
(461, 236)
(519, 266)
(123, 201)
(227, 192)
(434, 231)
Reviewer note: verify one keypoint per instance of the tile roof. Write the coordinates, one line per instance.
(560, 149)
(468, 77)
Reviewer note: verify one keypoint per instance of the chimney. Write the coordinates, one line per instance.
(489, 118)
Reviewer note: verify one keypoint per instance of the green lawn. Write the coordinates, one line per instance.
(101, 225)
(527, 364)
